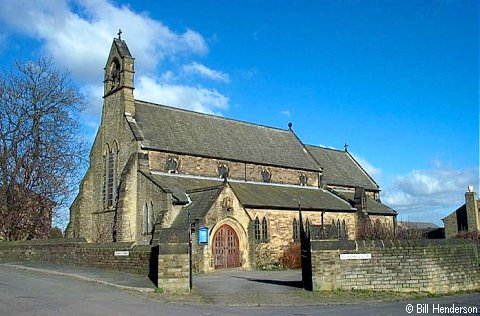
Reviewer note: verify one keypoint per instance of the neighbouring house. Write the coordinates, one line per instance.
(151, 166)
(466, 218)
(421, 230)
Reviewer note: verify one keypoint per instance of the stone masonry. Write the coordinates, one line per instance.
(406, 266)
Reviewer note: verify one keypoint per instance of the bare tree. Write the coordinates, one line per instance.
(41, 148)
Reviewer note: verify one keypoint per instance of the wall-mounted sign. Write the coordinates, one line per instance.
(203, 236)
(355, 256)
(121, 253)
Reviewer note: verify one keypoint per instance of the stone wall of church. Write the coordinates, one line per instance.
(89, 202)
(387, 221)
(201, 166)
(280, 226)
(149, 193)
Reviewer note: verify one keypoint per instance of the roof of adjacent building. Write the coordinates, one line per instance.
(185, 132)
(340, 168)
(373, 206)
(419, 225)
(462, 208)
(250, 194)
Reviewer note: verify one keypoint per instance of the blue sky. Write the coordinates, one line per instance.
(396, 80)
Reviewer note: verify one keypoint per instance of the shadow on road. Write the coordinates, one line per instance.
(295, 284)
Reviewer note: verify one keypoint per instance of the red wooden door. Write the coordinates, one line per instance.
(225, 248)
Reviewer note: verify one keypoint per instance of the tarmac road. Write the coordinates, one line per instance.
(33, 293)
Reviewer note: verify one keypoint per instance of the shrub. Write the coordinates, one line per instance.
(470, 235)
(56, 232)
(291, 257)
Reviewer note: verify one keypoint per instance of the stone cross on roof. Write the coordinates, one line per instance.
(119, 34)
(345, 146)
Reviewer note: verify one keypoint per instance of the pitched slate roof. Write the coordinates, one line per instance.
(373, 207)
(201, 202)
(122, 47)
(179, 185)
(186, 132)
(339, 168)
(272, 196)
(251, 194)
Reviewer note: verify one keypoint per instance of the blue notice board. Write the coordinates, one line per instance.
(203, 236)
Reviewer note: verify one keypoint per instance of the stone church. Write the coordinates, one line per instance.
(154, 168)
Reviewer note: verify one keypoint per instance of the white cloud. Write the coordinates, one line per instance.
(203, 71)
(78, 34)
(430, 194)
(374, 172)
(193, 98)
(80, 40)
(286, 113)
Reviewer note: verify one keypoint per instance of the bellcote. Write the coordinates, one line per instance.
(118, 75)
(119, 70)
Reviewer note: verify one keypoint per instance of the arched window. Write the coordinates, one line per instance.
(172, 165)
(110, 175)
(256, 228)
(344, 229)
(106, 160)
(295, 229)
(264, 229)
(303, 179)
(222, 171)
(115, 73)
(266, 176)
(307, 228)
(145, 218)
(339, 229)
(114, 173)
(148, 218)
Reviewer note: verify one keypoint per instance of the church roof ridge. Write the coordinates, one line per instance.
(327, 148)
(211, 115)
(206, 135)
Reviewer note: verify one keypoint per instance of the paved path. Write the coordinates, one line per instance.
(238, 287)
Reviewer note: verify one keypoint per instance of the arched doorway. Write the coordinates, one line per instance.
(226, 252)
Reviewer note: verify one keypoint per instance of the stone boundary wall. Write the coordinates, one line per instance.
(174, 268)
(436, 266)
(141, 259)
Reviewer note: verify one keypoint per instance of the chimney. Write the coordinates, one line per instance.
(471, 205)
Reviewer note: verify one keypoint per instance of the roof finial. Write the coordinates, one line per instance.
(346, 147)
(119, 34)
(290, 125)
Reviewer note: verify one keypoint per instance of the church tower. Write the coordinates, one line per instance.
(119, 72)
